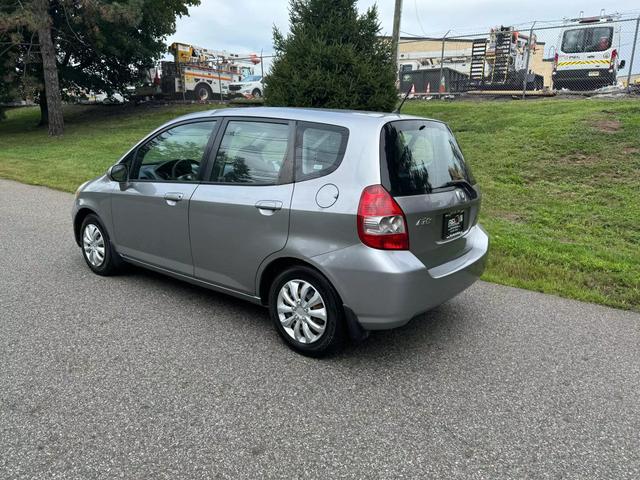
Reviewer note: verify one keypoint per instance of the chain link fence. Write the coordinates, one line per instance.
(579, 56)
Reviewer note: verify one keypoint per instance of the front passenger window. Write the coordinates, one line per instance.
(174, 155)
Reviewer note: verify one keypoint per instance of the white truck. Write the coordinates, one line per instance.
(201, 73)
(587, 55)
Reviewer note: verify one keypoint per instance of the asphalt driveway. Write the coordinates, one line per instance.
(142, 376)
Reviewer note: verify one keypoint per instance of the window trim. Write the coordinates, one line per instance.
(287, 165)
(300, 127)
(131, 158)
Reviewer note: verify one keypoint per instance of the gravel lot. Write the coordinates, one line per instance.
(142, 376)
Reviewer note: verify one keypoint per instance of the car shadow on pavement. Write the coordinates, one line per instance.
(425, 333)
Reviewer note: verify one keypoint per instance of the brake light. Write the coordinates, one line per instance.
(381, 222)
(612, 63)
(555, 62)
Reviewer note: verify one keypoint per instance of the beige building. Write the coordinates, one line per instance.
(418, 53)
(635, 79)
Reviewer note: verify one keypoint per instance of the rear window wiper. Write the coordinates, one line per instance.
(464, 185)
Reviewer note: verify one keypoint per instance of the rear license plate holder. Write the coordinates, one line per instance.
(453, 224)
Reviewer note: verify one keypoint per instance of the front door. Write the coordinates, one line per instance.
(241, 215)
(151, 211)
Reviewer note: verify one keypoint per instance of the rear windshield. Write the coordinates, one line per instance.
(582, 40)
(421, 156)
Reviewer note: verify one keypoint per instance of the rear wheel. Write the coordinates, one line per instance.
(96, 247)
(306, 311)
(203, 92)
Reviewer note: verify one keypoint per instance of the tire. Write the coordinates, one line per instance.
(331, 337)
(256, 93)
(203, 92)
(93, 235)
(539, 84)
(559, 86)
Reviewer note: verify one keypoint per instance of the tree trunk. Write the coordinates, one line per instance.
(44, 111)
(50, 70)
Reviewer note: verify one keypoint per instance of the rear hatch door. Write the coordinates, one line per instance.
(424, 170)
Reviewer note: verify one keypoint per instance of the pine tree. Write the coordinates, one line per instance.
(332, 58)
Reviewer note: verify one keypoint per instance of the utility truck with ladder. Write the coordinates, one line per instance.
(503, 61)
(202, 74)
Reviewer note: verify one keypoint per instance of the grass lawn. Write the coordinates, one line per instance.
(561, 181)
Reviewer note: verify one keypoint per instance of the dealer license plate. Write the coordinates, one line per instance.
(453, 224)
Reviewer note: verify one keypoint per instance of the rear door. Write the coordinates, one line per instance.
(240, 215)
(586, 48)
(424, 170)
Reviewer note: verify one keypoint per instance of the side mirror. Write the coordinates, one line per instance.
(118, 173)
(622, 64)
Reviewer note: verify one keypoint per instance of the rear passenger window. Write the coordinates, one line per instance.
(253, 153)
(319, 149)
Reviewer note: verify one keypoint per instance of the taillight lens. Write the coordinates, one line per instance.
(381, 222)
(555, 62)
(612, 63)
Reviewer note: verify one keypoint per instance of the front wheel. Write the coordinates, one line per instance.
(96, 247)
(306, 311)
(256, 93)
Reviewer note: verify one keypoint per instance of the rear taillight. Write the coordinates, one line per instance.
(381, 222)
(612, 63)
(555, 62)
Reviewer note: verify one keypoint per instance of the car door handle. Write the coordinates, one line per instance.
(271, 205)
(173, 197)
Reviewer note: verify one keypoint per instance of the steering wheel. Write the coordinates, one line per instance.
(184, 176)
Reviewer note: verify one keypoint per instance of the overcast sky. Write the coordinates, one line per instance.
(244, 26)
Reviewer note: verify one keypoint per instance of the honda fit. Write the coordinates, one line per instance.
(340, 222)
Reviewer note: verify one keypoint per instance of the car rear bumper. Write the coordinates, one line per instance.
(386, 289)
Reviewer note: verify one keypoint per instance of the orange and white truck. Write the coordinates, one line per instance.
(202, 74)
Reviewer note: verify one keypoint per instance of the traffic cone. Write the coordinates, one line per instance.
(442, 88)
(413, 89)
(429, 87)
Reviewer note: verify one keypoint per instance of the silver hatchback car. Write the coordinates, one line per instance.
(340, 222)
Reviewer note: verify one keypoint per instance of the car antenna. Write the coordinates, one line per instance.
(406, 95)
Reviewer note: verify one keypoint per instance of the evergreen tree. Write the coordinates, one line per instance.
(332, 58)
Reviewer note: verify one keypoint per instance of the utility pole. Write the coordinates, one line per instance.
(395, 41)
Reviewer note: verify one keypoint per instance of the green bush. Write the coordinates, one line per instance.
(332, 58)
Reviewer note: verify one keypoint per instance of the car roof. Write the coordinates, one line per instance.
(347, 118)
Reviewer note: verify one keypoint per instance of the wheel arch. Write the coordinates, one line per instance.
(78, 219)
(277, 265)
